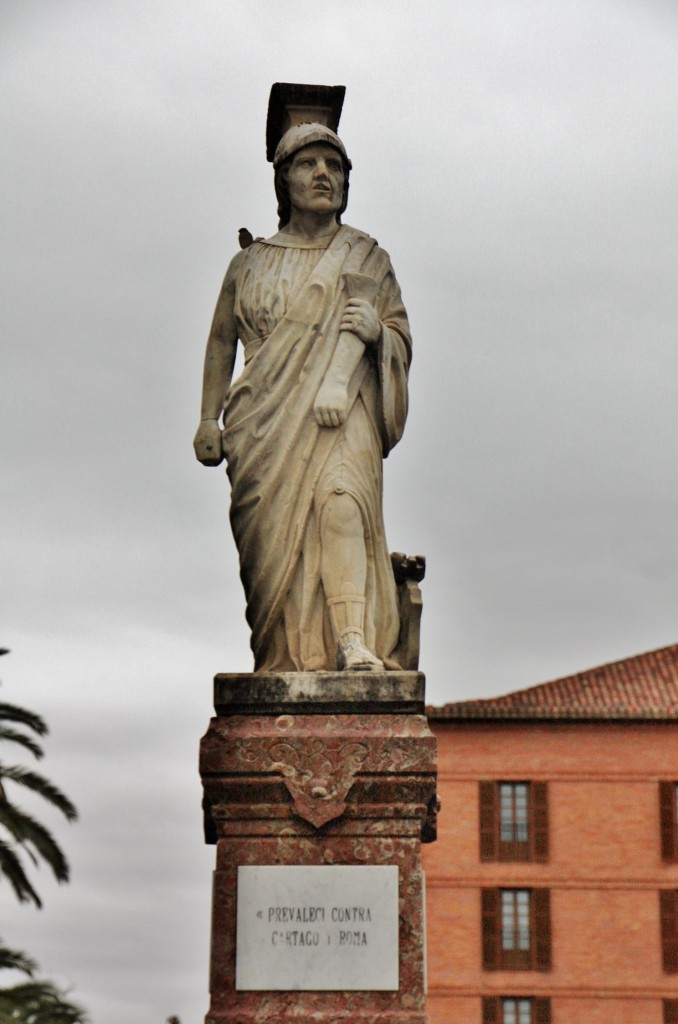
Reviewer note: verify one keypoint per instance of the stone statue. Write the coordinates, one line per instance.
(320, 402)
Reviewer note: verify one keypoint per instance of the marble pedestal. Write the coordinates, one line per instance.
(320, 769)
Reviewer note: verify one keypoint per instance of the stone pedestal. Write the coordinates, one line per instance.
(319, 769)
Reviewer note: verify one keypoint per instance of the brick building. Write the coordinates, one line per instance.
(553, 887)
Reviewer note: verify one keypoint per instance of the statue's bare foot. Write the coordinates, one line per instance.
(353, 656)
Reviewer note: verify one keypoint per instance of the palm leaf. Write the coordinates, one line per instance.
(15, 961)
(26, 830)
(38, 1002)
(39, 784)
(13, 713)
(30, 837)
(12, 869)
(7, 733)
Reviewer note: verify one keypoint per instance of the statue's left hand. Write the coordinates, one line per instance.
(207, 443)
(361, 318)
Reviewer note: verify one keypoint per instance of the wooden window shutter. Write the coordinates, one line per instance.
(539, 821)
(491, 1010)
(667, 817)
(487, 792)
(491, 927)
(542, 1011)
(671, 1011)
(668, 917)
(541, 901)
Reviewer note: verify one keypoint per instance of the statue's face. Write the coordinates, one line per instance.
(315, 179)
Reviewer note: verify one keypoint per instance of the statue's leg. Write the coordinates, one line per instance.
(343, 568)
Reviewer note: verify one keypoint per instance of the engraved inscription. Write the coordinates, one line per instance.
(310, 928)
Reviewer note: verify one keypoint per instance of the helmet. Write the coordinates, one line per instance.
(302, 135)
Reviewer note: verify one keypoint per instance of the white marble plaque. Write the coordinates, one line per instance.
(312, 929)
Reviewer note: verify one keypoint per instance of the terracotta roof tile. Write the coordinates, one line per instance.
(644, 687)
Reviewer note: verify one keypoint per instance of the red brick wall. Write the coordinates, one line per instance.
(604, 869)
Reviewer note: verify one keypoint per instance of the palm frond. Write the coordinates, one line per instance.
(23, 836)
(39, 784)
(13, 713)
(6, 733)
(39, 1002)
(12, 960)
(26, 829)
(12, 869)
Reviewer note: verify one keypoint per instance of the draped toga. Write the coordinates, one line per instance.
(283, 466)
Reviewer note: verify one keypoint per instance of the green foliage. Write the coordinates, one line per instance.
(33, 1001)
(20, 834)
(38, 1002)
(14, 961)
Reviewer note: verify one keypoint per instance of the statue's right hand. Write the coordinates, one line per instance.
(331, 405)
(207, 443)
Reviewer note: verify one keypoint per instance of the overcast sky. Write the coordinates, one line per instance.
(519, 162)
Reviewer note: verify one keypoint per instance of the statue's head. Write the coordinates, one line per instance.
(292, 142)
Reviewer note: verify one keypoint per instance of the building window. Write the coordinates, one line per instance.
(515, 920)
(513, 812)
(513, 821)
(516, 1010)
(668, 814)
(516, 929)
(668, 918)
(671, 1011)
